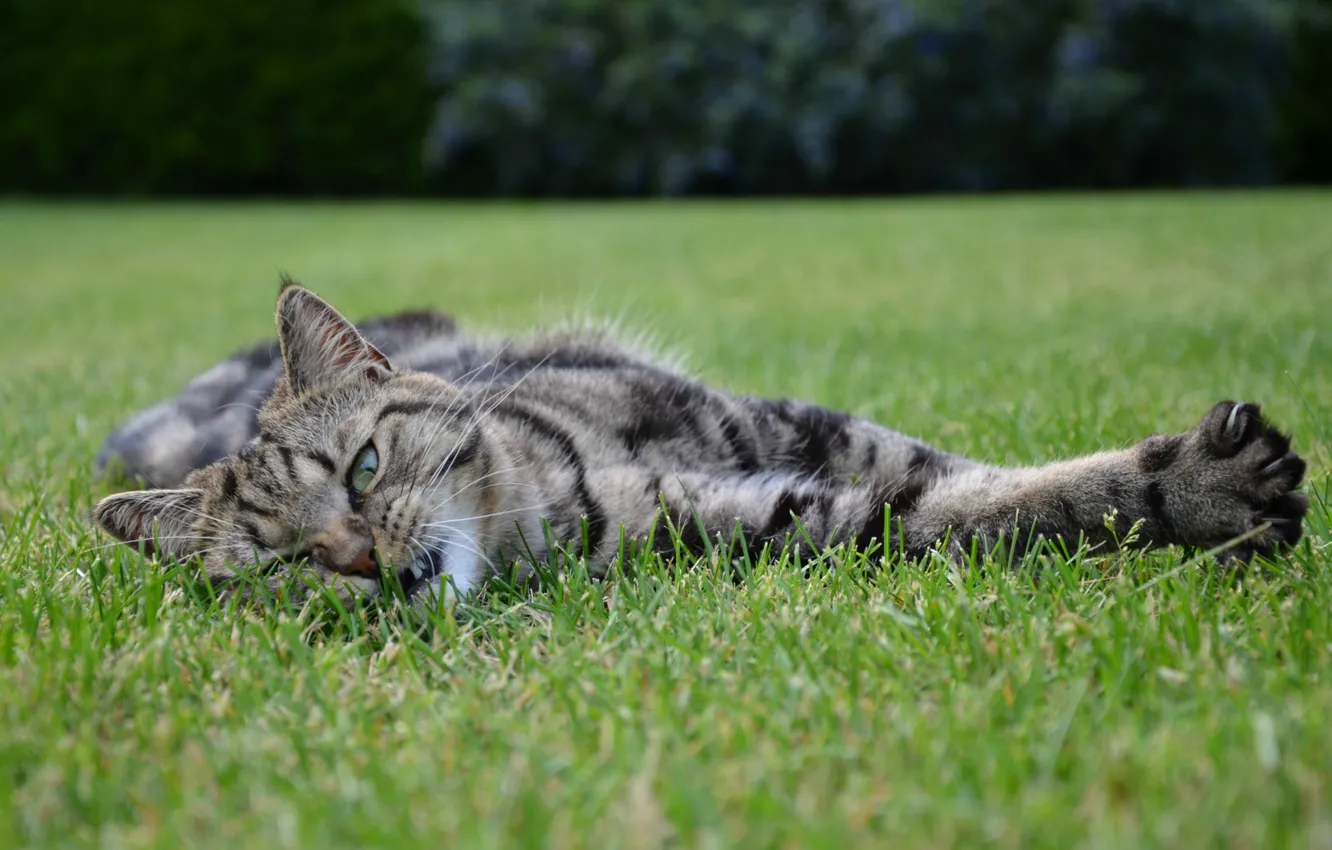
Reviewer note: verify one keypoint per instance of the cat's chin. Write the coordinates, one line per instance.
(424, 572)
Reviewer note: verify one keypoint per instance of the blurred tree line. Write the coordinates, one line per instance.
(634, 97)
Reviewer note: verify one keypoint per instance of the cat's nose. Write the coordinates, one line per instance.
(366, 563)
(360, 561)
(348, 548)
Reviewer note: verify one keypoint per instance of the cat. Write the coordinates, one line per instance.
(404, 449)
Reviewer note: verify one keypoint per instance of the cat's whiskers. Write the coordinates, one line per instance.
(207, 550)
(410, 485)
(407, 486)
(443, 543)
(119, 545)
(452, 540)
(480, 478)
(223, 524)
(446, 463)
(462, 399)
(450, 523)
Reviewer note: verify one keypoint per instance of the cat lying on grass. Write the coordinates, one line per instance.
(408, 451)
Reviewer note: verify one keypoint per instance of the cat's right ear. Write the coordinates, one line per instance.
(162, 521)
(318, 344)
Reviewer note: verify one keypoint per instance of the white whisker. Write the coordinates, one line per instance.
(463, 397)
(481, 412)
(130, 545)
(444, 523)
(452, 540)
(480, 478)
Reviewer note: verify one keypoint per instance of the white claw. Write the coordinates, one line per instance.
(1234, 415)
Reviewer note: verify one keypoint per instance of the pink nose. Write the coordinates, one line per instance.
(366, 564)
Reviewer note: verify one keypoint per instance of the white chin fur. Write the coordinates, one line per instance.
(462, 566)
(462, 573)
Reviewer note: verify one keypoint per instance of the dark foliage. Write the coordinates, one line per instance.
(190, 96)
(558, 97)
(635, 97)
(1307, 128)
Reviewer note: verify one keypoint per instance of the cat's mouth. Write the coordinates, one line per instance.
(425, 568)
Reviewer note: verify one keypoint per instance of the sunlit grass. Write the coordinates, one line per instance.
(1134, 701)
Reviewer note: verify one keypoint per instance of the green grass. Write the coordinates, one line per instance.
(1139, 701)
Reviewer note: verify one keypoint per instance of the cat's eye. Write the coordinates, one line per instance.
(363, 469)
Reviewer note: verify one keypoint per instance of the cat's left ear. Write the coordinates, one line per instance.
(318, 344)
(162, 521)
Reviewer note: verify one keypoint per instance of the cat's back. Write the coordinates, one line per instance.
(216, 412)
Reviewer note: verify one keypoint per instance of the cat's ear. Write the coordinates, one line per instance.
(318, 343)
(162, 521)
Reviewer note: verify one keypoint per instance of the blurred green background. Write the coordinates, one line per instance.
(574, 98)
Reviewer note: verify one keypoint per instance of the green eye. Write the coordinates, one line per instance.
(363, 469)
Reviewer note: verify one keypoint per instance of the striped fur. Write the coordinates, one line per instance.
(481, 442)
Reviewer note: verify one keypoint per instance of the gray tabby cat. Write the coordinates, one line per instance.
(405, 448)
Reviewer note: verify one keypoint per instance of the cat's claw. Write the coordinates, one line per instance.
(1234, 479)
(1235, 413)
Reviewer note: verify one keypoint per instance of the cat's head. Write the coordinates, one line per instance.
(360, 471)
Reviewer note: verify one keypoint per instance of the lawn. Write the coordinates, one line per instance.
(1131, 701)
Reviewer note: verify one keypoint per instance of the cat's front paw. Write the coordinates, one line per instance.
(1233, 476)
